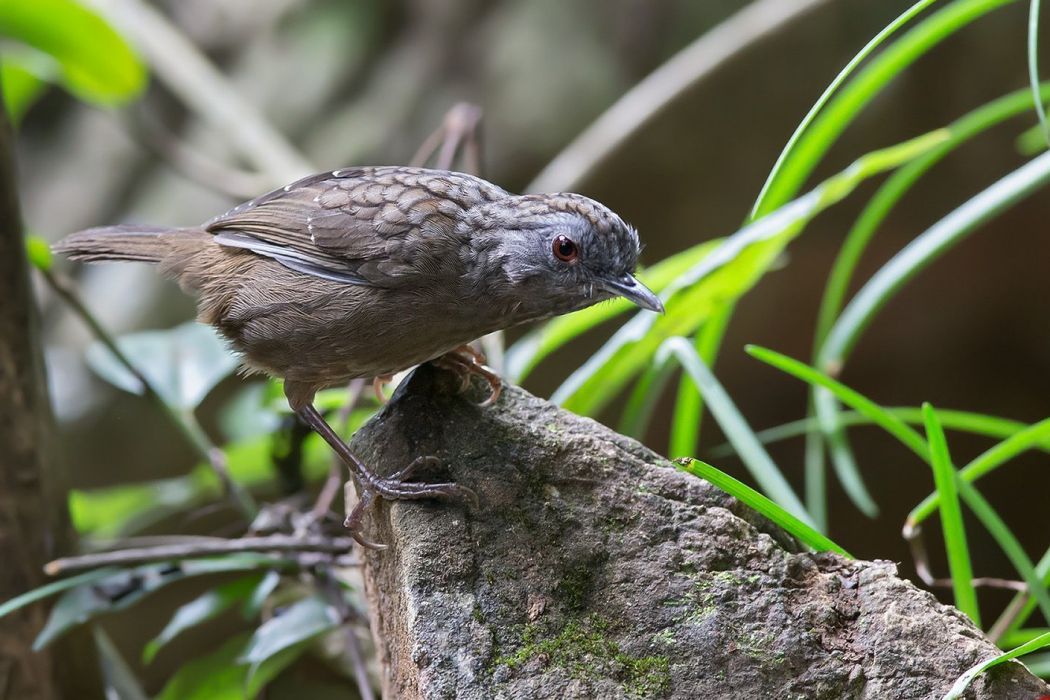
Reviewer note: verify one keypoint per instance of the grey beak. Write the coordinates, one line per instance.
(631, 289)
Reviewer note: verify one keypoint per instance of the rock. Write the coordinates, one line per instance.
(595, 569)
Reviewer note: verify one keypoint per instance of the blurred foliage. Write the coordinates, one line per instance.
(64, 42)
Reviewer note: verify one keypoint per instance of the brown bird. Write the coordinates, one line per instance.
(364, 272)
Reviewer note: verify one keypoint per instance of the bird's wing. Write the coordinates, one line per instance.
(383, 226)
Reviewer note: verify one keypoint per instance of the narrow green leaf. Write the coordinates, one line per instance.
(1034, 436)
(205, 607)
(955, 543)
(866, 407)
(21, 85)
(1033, 66)
(753, 499)
(644, 397)
(925, 249)
(733, 424)
(1006, 540)
(1022, 636)
(689, 404)
(97, 64)
(119, 677)
(55, 587)
(824, 130)
(965, 679)
(787, 155)
(962, 421)
(39, 253)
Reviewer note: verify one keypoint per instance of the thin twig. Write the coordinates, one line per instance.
(200, 548)
(655, 92)
(186, 423)
(921, 561)
(195, 80)
(206, 171)
(458, 132)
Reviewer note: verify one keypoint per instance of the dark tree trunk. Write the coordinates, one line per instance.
(594, 568)
(34, 524)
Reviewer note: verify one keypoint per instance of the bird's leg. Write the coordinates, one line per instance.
(378, 383)
(465, 361)
(371, 485)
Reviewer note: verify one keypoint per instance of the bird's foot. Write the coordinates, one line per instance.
(397, 487)
(466, 362)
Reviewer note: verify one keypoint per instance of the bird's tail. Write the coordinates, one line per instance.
(124, 242)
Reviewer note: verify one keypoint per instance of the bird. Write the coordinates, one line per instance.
(364, 272)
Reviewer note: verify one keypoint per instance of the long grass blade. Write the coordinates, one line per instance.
(788, 152)
(733, 424)
(1033, 66)
(961, 421)
(1032, 437)
(689, 405)
(955, 543)
(747, 495)
(825, 129)
(965, 679)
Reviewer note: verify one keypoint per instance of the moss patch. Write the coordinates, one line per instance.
(587, 653)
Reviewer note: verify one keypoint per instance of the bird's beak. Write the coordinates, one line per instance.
(631, 289)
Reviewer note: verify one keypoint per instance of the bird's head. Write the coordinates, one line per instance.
(558, 253)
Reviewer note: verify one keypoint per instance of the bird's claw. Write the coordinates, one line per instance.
(397, 487)
(466, 362)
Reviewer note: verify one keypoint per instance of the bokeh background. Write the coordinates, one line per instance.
(364, 82)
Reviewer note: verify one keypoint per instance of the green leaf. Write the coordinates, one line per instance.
(747, 495)
(787, 157)
(97, 64)
(716, 280)
(22, 82)
(965, 679)
(205, 607)
(868, 408)
(1034, 436)
(182, 364)
(39, 253)
(689, 404)
(1033, 67)
(220, 676)
(735, 427)
(304, 620)
(821, 134)
(962, 421)
(121, 589)
(955, 543)
(53, 588)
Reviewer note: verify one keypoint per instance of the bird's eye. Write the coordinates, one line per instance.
(565, 249)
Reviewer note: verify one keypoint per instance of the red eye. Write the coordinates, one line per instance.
(565, 250)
